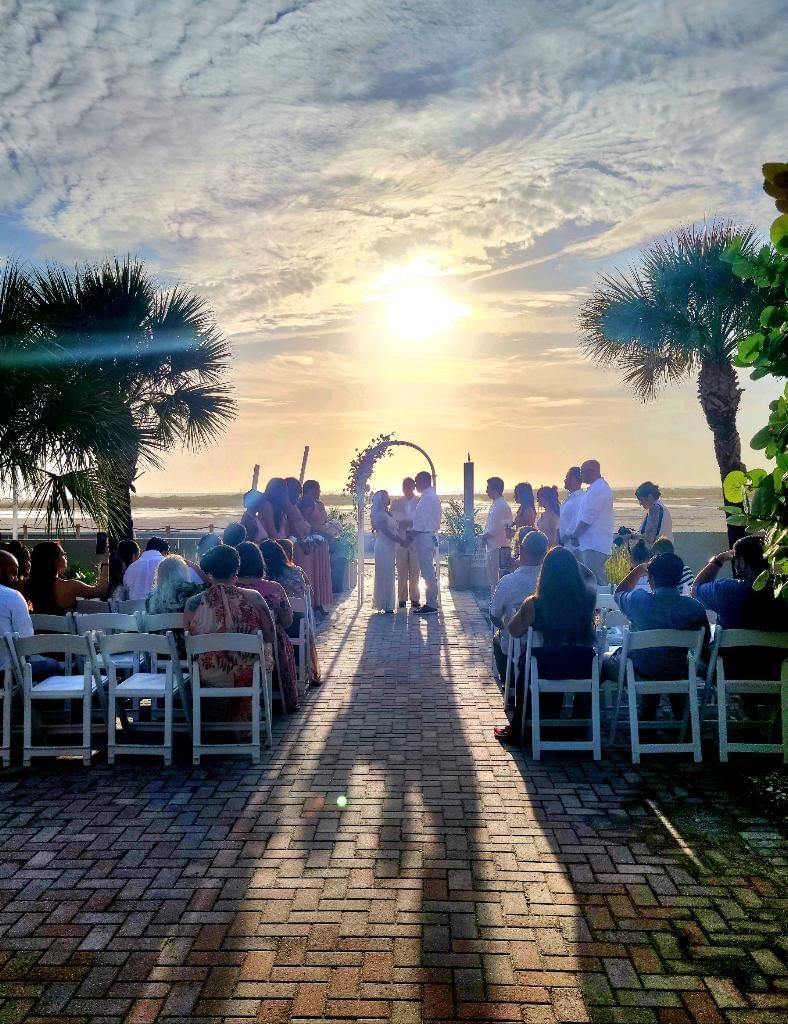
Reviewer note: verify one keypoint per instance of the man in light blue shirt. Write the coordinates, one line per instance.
(14, 615)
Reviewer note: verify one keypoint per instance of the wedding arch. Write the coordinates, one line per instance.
(361, 469)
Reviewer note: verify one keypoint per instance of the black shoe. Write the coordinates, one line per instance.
(402, 604)
(414, 604)
(426, 609)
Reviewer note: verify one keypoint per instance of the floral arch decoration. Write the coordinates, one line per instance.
(361, 469)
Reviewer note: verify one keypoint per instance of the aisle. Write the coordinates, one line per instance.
(389, 861)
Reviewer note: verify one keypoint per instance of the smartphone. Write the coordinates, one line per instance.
(101, 543)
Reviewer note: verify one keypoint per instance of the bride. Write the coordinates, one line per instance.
(387, 536)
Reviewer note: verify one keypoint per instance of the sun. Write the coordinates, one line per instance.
(418, 310)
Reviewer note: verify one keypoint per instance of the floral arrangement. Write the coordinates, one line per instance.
(363, 462)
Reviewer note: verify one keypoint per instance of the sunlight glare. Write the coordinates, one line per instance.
(418, 309)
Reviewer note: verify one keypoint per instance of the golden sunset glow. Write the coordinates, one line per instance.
(419, 309)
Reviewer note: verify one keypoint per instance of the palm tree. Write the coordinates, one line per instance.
(53, 426)
(680, 312)
(154, 356)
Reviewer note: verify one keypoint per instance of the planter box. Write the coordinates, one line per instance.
(343, 573)
(466, 572)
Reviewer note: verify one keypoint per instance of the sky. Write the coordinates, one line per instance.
(396, 207)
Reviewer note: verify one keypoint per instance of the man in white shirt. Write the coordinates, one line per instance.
(594, 531)
(140, 576)
(570, 509)
(495, 535)
(14, 616)
(402, 510)
(426, 524)
(513, 589)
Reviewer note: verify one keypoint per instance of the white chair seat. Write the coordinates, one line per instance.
(61, 687)
(142, 684)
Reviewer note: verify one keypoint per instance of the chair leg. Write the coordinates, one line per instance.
(634, 728)
(694, 715)
(616, 712)
(7, 727)
(722, 718)
(196, 725)
(27, 726)
(168, 708)
(256, 713)
(111, 719)
(784, 714)
(536, 735)
(87, 706)
(596, 721)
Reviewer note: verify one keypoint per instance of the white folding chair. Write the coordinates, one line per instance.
(744, 639)
(301, 643)
(59, 688)
(241, 643)
(564, 686)
(692, 642)
(109, 623)
(514, 650)
(277, 665)
(9, 685)
(154, 685)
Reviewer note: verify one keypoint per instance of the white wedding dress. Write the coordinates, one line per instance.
(384, 598)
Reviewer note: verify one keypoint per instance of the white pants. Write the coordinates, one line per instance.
(424, 544)
(407, 574)
(493, 566)
(595, 561)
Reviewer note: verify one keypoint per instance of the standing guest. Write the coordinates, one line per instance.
(496, 529)
(570, 509)
(251, 576)
(658, 521)
(526, 510)
(594, 531)
(278, 557)
(205, 543)
(14, 614)
(47, 592)
(562, 611)
(426, 524)
(660, 607)
(513, 589)
(550, 520)
(140, 575)
(234, 534)
(387, 536)
(663, 546)
(224, 608)
(318, 568)
(403, 509)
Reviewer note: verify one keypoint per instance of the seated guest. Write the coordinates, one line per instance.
(640, 554)
(234, 534)
(658, 521)
(562, 610)
(140, 575)
(223, 607)
(46, 590)
(15, 617)
(664, 546)
(126, 552)
(513, 589)
(661, 607)
(550, 519)
(251, 576)
(172, 587)
(739, 606)
(205, 543)
(278, 557)
(22, 555)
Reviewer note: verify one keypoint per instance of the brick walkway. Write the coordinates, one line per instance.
(461, 881)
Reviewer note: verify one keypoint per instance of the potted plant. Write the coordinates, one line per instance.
(461, 548)
(344, 551)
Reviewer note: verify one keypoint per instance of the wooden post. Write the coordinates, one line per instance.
(467, 493)
(255, 477)
(303, 464)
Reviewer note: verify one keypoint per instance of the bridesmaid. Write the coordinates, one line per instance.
(550, 518)
(314, 514)
(526, 511)
(271, 510)
(306, 554)
(387, 536)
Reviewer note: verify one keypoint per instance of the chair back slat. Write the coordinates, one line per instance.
(162, 622)
(51, 643)
(238, 643)
(133, 643)
(641, 640)
(107, 621)
(752, 638)
(128, 607)
(91, 605)
(52, 623)
(298, 604)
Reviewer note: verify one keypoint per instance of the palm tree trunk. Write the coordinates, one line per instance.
(126, 489)
(719, 395)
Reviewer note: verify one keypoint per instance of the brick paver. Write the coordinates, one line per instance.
(461, 882)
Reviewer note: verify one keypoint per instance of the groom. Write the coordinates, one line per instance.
(426, 524)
